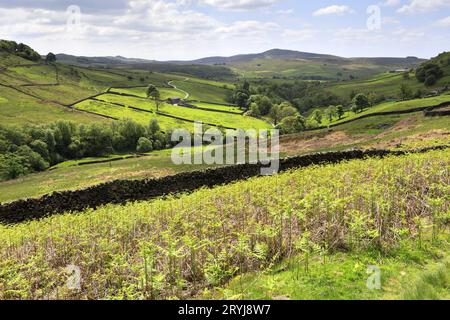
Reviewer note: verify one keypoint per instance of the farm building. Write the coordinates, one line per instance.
(174, 100)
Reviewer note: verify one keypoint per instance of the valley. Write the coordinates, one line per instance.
(73, 123)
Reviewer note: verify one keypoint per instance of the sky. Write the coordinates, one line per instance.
(190, 29)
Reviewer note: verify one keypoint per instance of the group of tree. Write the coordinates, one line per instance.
(429, 73)
(19, 49)
(35, 148)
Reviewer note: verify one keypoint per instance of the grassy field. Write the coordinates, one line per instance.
(40, 102)
(165, 93)
(118, 112)
(408, 273)
(20, 109)
(407, 131)
(222, 119)
(387, 84)
(219, 107)
(203, 91)
(389, 212)
(404, 132)
(66, 176)
(391, 106)
(293, 68)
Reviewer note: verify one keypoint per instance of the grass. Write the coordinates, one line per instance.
(292, 68)
(407, 131)
(219, 107)
(179, 247)
(19, 109)
(391, 106)
(203, 92)
(404, 132)
(118, 112)
(75, 84)
(66, 176)
(165, 93)
(215, 118)
(387, 84)
(406, 273)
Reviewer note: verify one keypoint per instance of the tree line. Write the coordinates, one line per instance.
(30, 149)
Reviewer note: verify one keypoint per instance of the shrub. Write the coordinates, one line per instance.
(430, 80)
(144, 145)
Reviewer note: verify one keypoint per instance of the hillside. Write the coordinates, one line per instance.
(303, 65)
(323, 223)
(274, 63)
(389, 84)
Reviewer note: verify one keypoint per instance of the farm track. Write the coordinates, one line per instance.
(175, 87)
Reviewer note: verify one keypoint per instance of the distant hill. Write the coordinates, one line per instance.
(271, 54)
(81, 60)
(275, 63)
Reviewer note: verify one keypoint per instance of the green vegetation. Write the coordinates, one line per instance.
(180, 247)
(211, 117)
(35, 148)
(405, 132)
(408, 272)
(19, 49)
(69, 176)
(218, 107)
(386, 107)
(203, 92)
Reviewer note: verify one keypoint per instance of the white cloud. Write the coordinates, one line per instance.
(239, 4)
(423, 6)
(335, 9)
(245, 29)
(391, 3)
(389, 20)
(445, 22)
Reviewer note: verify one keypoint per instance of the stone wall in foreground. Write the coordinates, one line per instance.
(121, 191)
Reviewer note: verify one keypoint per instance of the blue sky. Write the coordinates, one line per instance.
(188, 29)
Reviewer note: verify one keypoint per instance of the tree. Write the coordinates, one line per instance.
(254, 110)
(40, 147)
(430, 80)
(331, 113)
(292, 124)
(340, 111)
(264, 105)
(154, 126)
(287, 110)
(50, 58)
(427, 70)
(153, 93)
(374, 98)
(241, 99)
(405, 92)
(317, 116)
(361, 102)
(144, 145)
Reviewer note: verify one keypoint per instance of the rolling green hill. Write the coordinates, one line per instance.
(388, 84)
